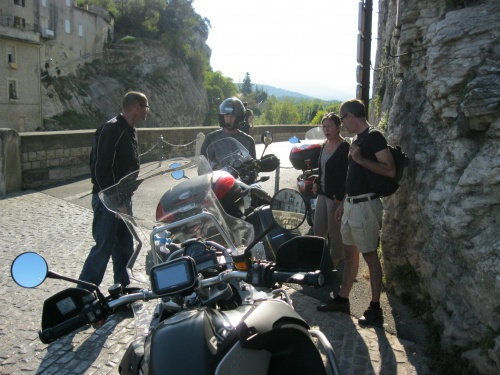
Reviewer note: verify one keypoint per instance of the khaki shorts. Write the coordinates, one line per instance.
(361, 223)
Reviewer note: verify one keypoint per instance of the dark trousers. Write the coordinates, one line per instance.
(112, 240)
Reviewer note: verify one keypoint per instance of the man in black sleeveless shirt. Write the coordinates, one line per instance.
(361, 212)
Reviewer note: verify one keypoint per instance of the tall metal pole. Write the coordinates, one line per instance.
(367, 35)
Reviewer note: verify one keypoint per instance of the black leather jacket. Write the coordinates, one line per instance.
(114, 153)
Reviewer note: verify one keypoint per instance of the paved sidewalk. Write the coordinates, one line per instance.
(61, 232)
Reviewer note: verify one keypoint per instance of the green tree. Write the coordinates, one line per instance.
(246, 87)
(259, 95)
(138, 18)
(278, 112)
(218, 88)
(334, 107)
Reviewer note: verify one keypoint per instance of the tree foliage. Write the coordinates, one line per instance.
(176, 24)
(218, 88)
(246, 87)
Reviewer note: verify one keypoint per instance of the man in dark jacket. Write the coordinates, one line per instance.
(114, 155)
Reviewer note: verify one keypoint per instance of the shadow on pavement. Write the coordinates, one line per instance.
(80, 350)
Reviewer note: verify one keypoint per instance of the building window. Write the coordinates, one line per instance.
(80, 30)
(68, 3)
(44, 3)
(67, 26)
(19, 22)
(13, 90)
(20, 2)
(11, 54)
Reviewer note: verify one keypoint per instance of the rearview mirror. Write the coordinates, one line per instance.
(29, 270)
(288, 209)
(267, 138)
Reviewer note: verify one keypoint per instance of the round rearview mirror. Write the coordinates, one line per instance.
(294, 139)
(29, 270)
(288, 208)
(267, 138)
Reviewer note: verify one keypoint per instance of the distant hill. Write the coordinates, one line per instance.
(279, 93)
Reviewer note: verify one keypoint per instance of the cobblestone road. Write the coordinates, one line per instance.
(60, 231)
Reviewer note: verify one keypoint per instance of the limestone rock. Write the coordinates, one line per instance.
(176, 98)
(443, 102)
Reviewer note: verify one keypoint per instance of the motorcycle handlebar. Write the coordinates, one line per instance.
(262, 274)
(315, 278)
(50, 334)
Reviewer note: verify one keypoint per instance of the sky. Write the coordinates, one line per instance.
(307, 47)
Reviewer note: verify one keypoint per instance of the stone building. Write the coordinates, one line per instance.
(40, 39)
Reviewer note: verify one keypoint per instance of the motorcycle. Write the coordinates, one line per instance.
(248, 199)
(230, 155)
(212, 299)
(305, 157)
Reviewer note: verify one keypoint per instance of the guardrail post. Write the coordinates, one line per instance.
(200, 138)
(11, 179)
(277, 179)
(161, 149)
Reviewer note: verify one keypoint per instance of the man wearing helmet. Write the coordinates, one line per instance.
(231, 118)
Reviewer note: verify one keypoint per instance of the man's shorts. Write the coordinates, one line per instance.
(361, 223)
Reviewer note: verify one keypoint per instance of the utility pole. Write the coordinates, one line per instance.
(364, 51)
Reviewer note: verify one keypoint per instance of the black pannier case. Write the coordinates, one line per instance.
(305, 156)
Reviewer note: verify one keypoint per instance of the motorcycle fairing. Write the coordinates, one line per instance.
(276, 328)
(303, 254)
(261, 218)
(207, 334)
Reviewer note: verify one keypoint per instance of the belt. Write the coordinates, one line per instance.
(364, 199)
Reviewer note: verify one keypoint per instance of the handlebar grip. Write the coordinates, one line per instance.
(315, 278)
(50, 334)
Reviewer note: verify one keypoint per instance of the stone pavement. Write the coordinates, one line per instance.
(61, 232)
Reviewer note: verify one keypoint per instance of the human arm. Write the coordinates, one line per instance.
(384, 163)
(341, 166)
(103, 156)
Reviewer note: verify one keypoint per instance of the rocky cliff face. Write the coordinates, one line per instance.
(438, 84)
(175, 96)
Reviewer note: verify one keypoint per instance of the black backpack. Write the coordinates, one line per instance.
(383, 185)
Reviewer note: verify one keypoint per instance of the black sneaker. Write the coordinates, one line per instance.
(371, 316)
(331, 305)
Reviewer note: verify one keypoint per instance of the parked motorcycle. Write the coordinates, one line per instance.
(305, 157)
(210, 307)
(230, 156)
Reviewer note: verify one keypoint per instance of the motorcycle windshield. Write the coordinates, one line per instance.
(226, 154)
(169, 203)
(315, 134)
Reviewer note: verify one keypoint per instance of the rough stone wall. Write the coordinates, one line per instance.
(437, 82)
(175, 97)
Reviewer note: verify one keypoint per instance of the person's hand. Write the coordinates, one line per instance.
(315, 188)
(339, 212)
